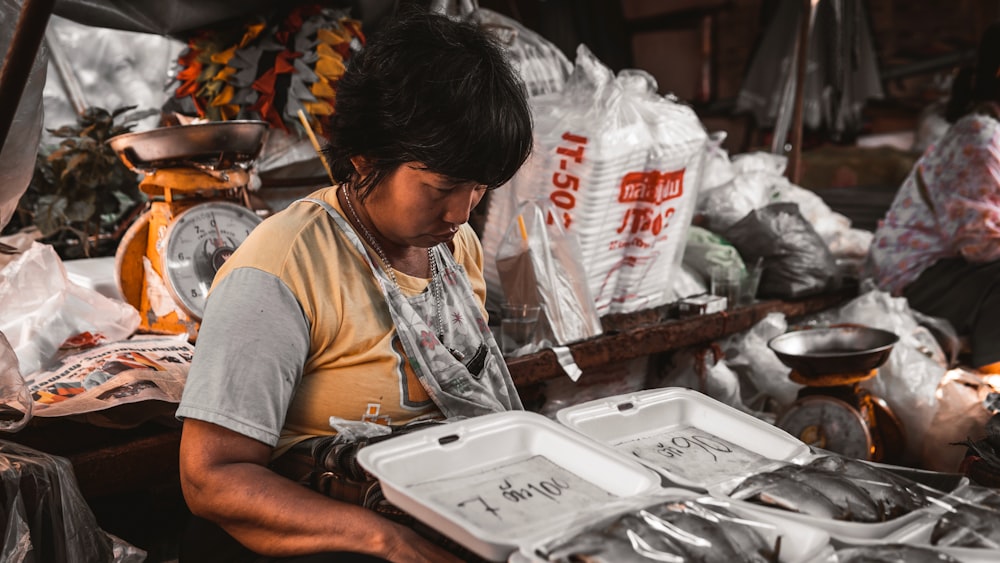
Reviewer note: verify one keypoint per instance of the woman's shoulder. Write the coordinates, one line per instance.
(301, 228)
(467, 244)
(976, 124)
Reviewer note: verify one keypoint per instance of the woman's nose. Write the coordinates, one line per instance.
(460, 204)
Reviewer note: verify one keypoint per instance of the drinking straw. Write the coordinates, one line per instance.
(315, 144)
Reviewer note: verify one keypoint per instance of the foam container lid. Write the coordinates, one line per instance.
(501, 481)
(688, 437)
(696, 441)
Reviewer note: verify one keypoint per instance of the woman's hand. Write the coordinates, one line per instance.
(413, 548)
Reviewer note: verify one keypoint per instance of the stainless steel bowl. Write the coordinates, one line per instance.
(833, 350)
(222, 143)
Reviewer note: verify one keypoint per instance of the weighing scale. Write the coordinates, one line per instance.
(833, 411)
(196, 178)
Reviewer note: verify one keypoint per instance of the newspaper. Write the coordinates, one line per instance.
(140, 369)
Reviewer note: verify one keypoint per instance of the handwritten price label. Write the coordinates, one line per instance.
(693, 454)
(514, 496)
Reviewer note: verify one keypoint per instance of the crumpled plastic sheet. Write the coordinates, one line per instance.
(15, 398)
(42, 308)
(47, 518)
(17, 153)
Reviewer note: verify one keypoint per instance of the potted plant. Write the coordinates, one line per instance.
(81, 194)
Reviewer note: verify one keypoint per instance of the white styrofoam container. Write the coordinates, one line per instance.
(635, 423)
(468, 479)
(687, 424)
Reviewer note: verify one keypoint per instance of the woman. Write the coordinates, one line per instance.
(364, 302)
(939, 244)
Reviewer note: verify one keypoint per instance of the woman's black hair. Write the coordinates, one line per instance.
(432, 90)
(980, 84)
(986, 84)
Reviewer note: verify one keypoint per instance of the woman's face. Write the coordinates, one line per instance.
(416, 207)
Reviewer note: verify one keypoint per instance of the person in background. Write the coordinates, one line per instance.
(939, 243)
(363, 302)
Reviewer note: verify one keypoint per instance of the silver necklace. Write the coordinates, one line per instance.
(437, 293)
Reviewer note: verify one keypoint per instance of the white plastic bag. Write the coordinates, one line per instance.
(40, 309)
(15, 397)
(546, 259)
(622, 166)
(748, 354)
(18, 150)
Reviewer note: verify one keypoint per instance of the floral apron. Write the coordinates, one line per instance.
(465, 377)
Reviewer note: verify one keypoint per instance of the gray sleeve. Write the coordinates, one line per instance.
(251, 347)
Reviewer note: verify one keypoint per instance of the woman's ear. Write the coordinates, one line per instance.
(361, 165)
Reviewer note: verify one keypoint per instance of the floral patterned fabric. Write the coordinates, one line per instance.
(957, 215)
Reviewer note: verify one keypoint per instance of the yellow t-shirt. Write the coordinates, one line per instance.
(351, 365)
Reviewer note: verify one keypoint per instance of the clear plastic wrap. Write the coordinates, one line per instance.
(964, 525)
(540, 264)
(541, 65)
(834, 487)
(673, 529)
(766, 377)
(47, 519)
(15, 397)
(42, 308)
(17, 152)
(622, 166)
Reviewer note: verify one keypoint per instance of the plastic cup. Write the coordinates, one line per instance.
(517, 326)
(748, 285)
(727, 282)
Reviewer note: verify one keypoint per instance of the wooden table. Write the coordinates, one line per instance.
(110, 461)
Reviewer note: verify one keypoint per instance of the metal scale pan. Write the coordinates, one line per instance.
(216, 144)
(833, 412)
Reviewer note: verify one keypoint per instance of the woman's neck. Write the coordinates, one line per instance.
(411, 260)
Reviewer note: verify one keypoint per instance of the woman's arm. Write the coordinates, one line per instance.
(225, 479)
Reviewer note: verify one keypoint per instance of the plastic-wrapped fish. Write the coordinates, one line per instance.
(782, 491)
(670, 532)
(968, 526)
(893, 553)
(757, 541)
(895, 495)
(860, 506)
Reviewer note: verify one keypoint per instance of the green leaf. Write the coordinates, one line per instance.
(80, 211)
(50, 214)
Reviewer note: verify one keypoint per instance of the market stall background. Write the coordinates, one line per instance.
(701, 52)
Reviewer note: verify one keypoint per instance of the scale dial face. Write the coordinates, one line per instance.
(197, 243)
(829, 423)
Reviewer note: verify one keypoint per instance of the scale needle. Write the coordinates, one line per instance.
(218, 234)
